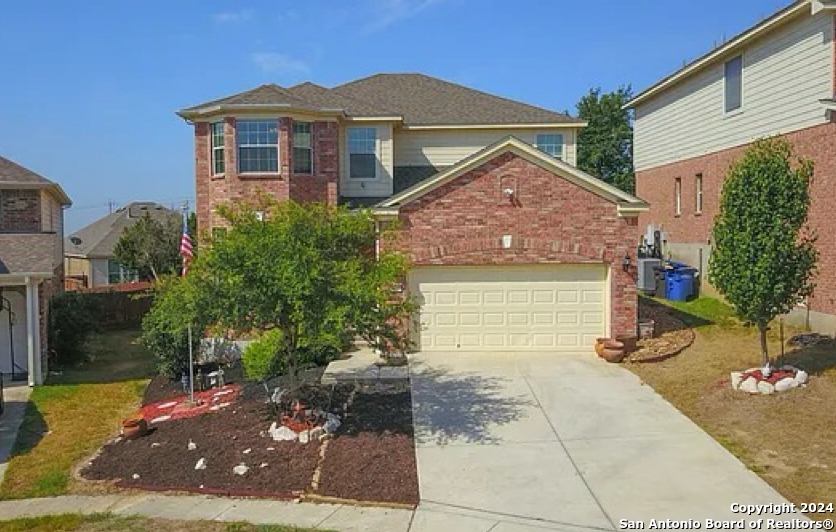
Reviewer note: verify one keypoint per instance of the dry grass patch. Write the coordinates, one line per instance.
(787, 438)
(72, 415)
(110, 523)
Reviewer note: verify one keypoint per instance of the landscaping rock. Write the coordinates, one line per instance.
(785, 384)
(281, 433)
(201, 464)
(240, 469)
(749, 385)
(801, 377)
(304, 436)
(736, 379)
(135, 476)
(332, 423)
(765, 388)
(192, 445)
(247, 451)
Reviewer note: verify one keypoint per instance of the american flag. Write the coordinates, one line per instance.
(186, 246)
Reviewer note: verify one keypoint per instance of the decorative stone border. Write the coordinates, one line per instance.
(781, 379)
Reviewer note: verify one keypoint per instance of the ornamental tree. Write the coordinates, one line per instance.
(151, 246)
(309, 271)
(763, 258)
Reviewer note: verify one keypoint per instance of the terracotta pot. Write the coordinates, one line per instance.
(630, 343)
(599, 345)
(614, 344)
(134, 427)
(613, 355)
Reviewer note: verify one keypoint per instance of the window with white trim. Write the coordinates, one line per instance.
(551, 143)
(733, 76)
(678, 196)
(302, 148)
(217, 133)
(698, 192)
(117, 274)
(258, 146)
(362, 152)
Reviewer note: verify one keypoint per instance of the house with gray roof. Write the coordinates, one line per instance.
(512, 246)
(88, 252)
(31, 267)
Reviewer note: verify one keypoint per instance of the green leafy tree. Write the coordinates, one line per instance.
(764, 257)
(307, 270)
(605, 145)
(151, 246)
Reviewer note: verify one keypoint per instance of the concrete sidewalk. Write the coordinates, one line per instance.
(16, 396)
(308, 515)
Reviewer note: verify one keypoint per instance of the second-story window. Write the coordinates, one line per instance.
(362, 152)
(302, 148)
(217, 131)
(733, 76)
(258, 146)
(551, 143)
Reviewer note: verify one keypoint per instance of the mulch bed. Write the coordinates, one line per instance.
(670, 335)
(371, 458)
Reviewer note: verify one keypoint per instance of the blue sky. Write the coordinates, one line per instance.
(88, 89)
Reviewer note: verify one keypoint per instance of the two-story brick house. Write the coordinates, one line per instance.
(512, 246)
(775, 78)
(31, 266)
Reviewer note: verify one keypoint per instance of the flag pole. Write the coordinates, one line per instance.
(189, 325)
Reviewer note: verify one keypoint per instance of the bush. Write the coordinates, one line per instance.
(165, 327)
(261, 358)
(72, 319)
(322, 348)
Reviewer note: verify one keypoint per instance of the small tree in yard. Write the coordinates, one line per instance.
(308, 271)
(764, 258)
(151, 246)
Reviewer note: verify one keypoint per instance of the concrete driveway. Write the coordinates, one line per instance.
(531, 441)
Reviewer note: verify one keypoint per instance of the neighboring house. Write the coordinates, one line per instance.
(88, 252)
(776, 78)
(475, 179)
(31, 267)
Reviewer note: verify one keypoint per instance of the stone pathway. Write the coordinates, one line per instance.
(17, 395)
(337, 517)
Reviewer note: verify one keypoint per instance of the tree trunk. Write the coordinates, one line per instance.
(154, 273)
(764, 349)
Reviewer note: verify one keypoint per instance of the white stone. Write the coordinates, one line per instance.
(263, 465)
(281, 433)
(304, 436)
(247, 451)
(201, 464)
(801, 377)
(766, 388)
(240, 469)
(785, 384)
(135, 476)
(736, 379)
(192, 445)
(155, 444)
(750, 385)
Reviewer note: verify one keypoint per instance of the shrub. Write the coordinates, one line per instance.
(261, 358)
(165, 327)
(72, 319)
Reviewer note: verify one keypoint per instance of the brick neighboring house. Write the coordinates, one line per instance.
(31, 266)
(88, 252)
(513, 247)
(775, 78)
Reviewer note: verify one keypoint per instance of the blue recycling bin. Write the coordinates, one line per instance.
(677, 286)
(689, 276)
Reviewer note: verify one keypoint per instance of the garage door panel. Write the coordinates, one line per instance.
(498, 308)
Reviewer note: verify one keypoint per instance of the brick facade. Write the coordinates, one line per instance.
(656, 186)
(215, 190)
(20, 210)
(550, 220)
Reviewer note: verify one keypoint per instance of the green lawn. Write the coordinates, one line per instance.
(786, 438)
(110, 523)
(70, 417)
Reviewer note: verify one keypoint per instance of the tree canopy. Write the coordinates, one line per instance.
(151, 246)
(763, 258)
(605, 145)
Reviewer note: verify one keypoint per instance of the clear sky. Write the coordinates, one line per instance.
(88, 89)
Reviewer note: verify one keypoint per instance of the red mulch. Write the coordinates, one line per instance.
(373, 456)
(176, 408)
(774, 377)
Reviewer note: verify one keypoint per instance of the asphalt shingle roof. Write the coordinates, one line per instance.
(11, 172)
(100, 237)
(418, 98)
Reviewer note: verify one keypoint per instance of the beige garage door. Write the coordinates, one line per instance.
(518, 308)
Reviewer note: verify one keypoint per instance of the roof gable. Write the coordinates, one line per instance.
(627, 203)
(15, 175)
(100, 237)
